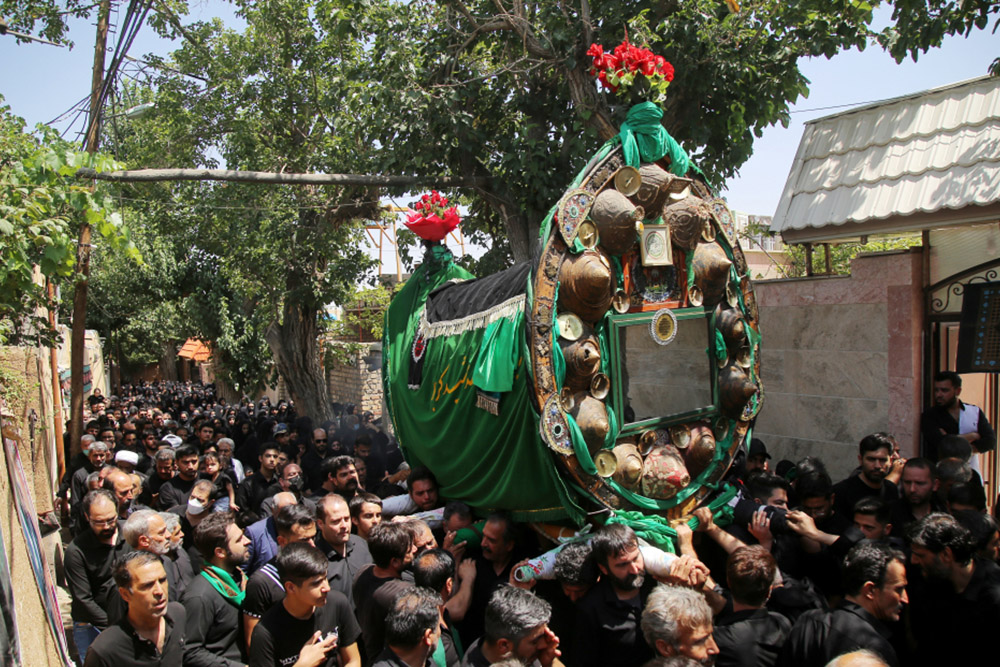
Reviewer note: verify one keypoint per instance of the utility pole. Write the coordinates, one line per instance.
(83, 247)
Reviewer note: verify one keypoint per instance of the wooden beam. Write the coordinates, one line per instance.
(271, 177)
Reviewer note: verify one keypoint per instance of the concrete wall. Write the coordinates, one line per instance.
(841, 359)
(358, 381)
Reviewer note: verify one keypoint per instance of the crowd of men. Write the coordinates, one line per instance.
(208, 534)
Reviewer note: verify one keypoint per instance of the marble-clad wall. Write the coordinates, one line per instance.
(841, 359)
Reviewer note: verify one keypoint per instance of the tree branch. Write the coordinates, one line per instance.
(159, 175)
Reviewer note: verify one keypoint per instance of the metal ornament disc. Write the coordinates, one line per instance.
(663, 326)
(680, 436)
(721, 429)
(732, 297)
(567, 400)
(628, 180)
(620, 302)
(606, 463)
(708, 232)
(572, 211)
(553, 427)
(600, 386)
(570, 326)
(588, 234)
(695, 297)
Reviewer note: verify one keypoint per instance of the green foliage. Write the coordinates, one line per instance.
(41, 208)
(363, 319)
(919, 25)
(841, 254)
(24, 15)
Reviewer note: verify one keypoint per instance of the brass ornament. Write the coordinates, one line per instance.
(587, 285)
(600, 386)
(730, 322)
(553, 427)
(695, 296)
(735, 391)
(663, 326)
(628, 180)
(732, 296)
(628, 472)
(592, 418)
(573, 209)
(720, 428)
(620, 302)
(701, 452)
(686, 219)
(711, 271)
(606, 463)
(615, 217)
(708, 232)
(664, 473)
(567, 400)
(583, 359)
(588, 235)
(570, 326)
(654, 187)
(680, 436)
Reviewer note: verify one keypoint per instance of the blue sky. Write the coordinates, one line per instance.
(40, 82)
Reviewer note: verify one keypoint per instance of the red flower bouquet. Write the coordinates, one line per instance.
(432, 219)
(629, 65)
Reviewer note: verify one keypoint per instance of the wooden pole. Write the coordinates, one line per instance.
(57, 414)
(160, 175)
(83, 248)
(809, 259)
(829, 262)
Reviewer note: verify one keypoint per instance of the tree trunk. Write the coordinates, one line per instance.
(294, 342)
(168, 362)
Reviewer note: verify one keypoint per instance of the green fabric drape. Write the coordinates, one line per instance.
(490, 462)
(644, 139)
(224, 583)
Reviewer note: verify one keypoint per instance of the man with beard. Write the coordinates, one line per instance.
(312, 460)
(678, 622)
(874, 454)
(89, 559)
(517, 627)
(312, 625)
(163, 471)
(213, 599)
(175, 491)
(152, 632)
(340, 477)
(493, 568)
(422, 495)
(347, 554)
(146, 530)
(378, 586)
(919, 484)
(233, 466)
(950, 416)
(954, 614)
(120, 484)
(97, 455)
(875, 586)
(176, 557)
(607, 618)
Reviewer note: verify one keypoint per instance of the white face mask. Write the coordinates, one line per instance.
(195, 507)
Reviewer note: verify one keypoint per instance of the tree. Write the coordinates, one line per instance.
(919, 25)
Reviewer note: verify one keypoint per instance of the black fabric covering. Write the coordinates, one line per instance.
(457, 300)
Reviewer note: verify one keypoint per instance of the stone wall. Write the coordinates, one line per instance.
(359, 381)
(841, 359)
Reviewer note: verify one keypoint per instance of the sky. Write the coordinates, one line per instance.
(40, 82)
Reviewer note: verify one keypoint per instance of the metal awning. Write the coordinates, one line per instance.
(195, 350)
(922, 161)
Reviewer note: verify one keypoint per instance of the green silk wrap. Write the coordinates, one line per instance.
(644, 139)
(489, 461)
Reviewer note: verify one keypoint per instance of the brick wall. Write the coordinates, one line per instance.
(359, 381)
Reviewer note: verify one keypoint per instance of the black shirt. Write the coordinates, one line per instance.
(818, 637)
(937, 418)
(263, 590)
(343, 570)
(279, 637)
(121, 646)
(88, 565)
(750, 638)
(214, 628)
(849, 491)
(389, 659)
(374, 597)
(253, 490)
(486, 581)
(175, 491)
(607, 628)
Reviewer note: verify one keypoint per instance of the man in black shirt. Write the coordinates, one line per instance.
(162, 471)
(378, 586)
(950, 416)
(498, 555)
(152, 632)
(919, 484)
(312, 460)
(412, 630)
(347, 554)
(517, 626)
(213, 599)
(312, 625)
(607, 619)
(874, 454)
(176, 490)
(750, 635)
(89, 559)
(255, 488)
(293, 523)
(875, 583)
(961, 597)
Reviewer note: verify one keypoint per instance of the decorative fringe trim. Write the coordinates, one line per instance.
(488, 402)
(478, 320)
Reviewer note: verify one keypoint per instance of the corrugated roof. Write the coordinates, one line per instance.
(923, 153)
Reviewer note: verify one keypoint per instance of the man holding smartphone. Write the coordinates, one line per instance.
(313, 626)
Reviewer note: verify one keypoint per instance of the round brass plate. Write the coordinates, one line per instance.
(627, 181)
(721, 429)
(695, 297)
(566, 399)
(680, 436)
(587, 233)
(732, 297)
(570, 326)
(647, 441)
(708, 232)
(606, 463)
(600, 386)
(663, 326)
(743, 356)
(620, 302)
